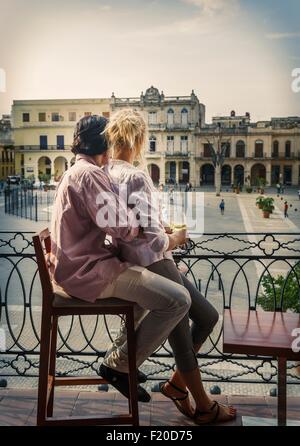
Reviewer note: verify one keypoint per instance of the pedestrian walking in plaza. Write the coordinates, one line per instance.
(286, 208)
(222, 206)
(278, 188)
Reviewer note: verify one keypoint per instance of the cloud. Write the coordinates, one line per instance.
(277, 36)
(212, 7)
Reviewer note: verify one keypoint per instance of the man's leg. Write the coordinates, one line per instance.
(167, 303)
(120, 339)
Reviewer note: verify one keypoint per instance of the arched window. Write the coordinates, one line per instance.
(259, 149)
(184, 117)
(152, 144)
(275, 153)
(288, 149)
(240, 149)
(170, 117)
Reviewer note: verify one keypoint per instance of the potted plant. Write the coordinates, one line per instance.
(45, 178)
(260, 202)
(267, 210)
(269, 203)
(249, 190)
(261, 184)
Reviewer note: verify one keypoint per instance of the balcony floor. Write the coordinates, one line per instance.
(18, 407)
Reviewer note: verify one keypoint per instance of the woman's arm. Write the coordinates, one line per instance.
(145, 198)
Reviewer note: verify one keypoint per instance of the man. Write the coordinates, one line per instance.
(278, 186)
(85, 211)
(222, 206)
(286, 208)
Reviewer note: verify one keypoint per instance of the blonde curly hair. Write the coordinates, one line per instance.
(126, 130)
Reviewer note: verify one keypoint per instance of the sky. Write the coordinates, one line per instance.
(235, 54)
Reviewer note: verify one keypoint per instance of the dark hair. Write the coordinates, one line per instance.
(88, 136)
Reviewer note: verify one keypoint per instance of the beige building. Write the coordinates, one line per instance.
(266, 149)
(177, 147)
(7, 153)
(173, 124)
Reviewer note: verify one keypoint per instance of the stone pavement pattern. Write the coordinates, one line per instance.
(18, 407)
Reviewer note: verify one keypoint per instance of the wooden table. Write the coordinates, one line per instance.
(252, 332)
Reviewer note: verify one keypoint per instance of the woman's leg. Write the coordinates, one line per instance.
(204, 317)
(181, 341)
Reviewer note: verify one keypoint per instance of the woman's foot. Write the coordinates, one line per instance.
(180, 397)
(217, 413)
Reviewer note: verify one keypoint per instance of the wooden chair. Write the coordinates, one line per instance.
(59, 304)
(263, 333)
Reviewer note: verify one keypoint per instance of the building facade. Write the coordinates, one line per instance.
(177, 147)
(173, 124)
(7, 153)
(266, 149)
(43, 133)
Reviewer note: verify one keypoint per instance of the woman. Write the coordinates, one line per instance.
(126, 133)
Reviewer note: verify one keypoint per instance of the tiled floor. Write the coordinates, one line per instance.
(18, 407)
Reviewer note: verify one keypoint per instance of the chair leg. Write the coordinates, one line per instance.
(282, 399)
(131, 341)
(52, 364)
(44, 368)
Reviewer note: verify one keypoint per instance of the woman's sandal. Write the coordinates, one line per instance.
(207, 419)
(176, 400)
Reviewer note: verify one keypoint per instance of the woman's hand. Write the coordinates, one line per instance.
(168, 230)
(177, 238)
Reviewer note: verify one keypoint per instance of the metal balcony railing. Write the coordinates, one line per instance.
(232, 270)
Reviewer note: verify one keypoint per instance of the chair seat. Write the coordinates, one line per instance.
(264, 333)
(63, 300)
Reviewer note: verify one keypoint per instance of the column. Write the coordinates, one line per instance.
(295, 174)
(232, 174)
(197, 175)
(192, 167)
(268, 174)
(162, 173)
(177, 172)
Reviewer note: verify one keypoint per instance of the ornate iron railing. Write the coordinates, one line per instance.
(231, 270)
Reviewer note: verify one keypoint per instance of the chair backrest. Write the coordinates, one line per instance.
(42, 247)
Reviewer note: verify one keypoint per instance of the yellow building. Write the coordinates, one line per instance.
(43, 132)
(177, 146)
